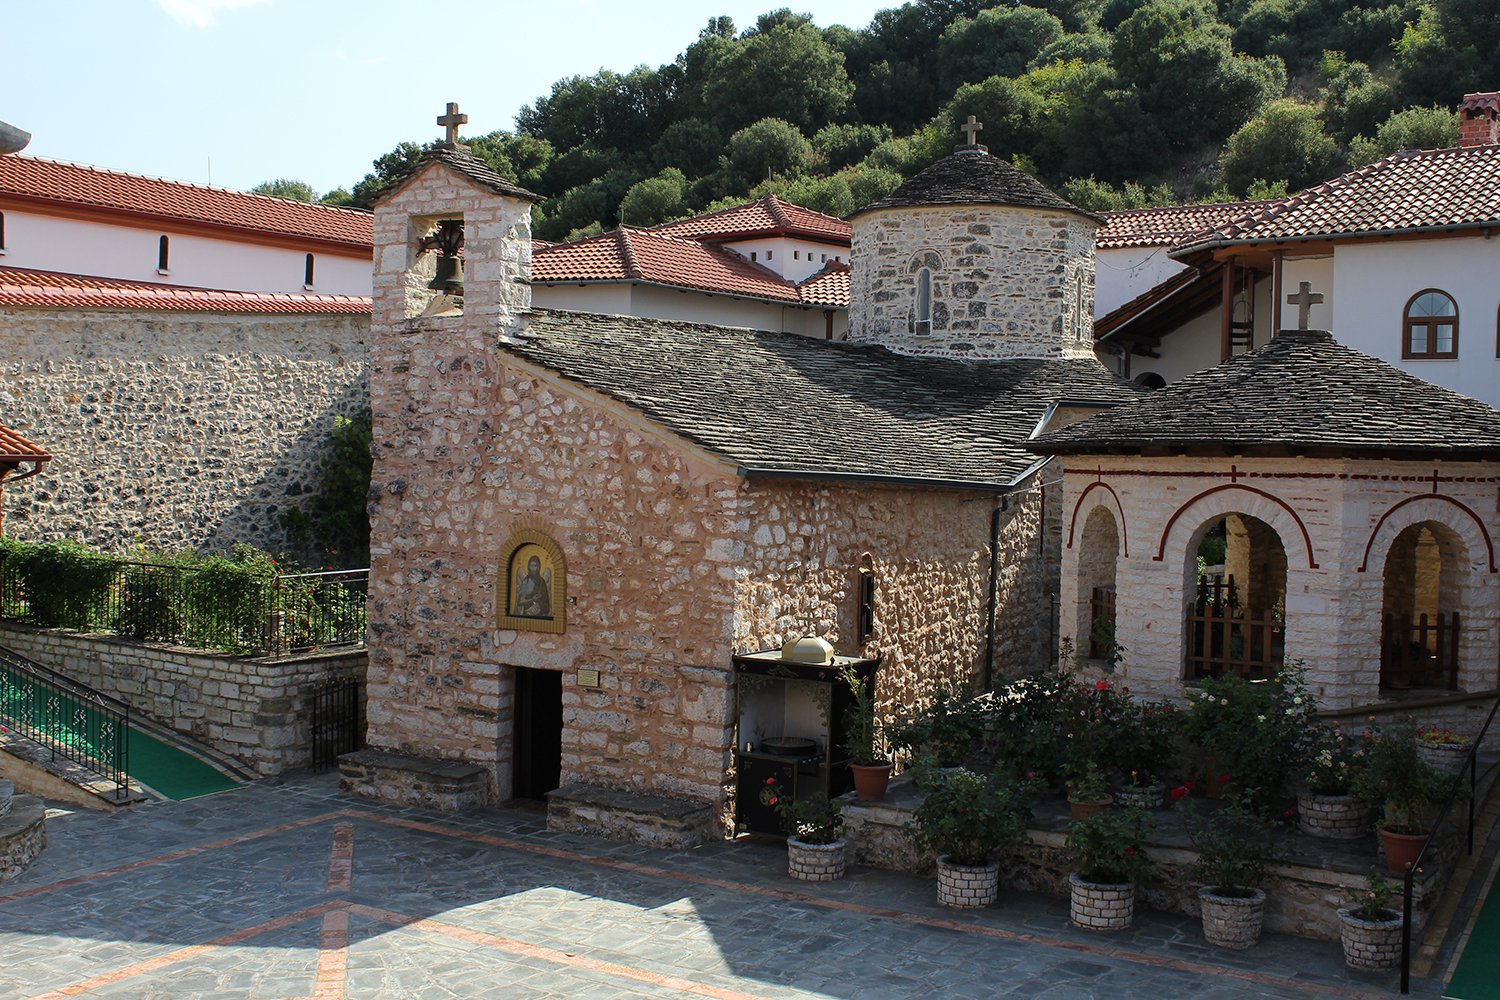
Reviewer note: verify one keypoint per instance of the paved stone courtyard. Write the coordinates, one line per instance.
(293, 891)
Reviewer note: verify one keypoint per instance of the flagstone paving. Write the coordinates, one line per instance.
(293, 891)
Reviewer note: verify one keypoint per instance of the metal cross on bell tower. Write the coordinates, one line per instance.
(452, 120)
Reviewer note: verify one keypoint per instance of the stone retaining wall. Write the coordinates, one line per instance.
(254, 710)
(174, 429)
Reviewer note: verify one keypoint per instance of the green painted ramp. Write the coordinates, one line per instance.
(1478, 974)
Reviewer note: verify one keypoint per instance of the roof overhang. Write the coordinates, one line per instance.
(1349, 236)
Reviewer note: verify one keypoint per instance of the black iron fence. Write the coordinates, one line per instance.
(222, 607)
(1471, 769)
(70, 719)
(337, 720)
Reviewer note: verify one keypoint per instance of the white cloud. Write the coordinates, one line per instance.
(201, 13)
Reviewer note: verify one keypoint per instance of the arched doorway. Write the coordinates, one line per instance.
(1098, 552)
(1236, 570)
(1423, 588)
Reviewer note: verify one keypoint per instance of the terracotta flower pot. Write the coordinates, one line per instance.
(1401, 849)
(815, 862)
(1232, 922)
(1370, 944)
(1081, 810)
(1101, 906)
(967, 887)
(870, 780)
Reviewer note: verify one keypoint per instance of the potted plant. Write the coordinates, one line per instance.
(1369, 929)
(1147, 742)
(946, 729)
(1108, 853)
(1088, 793)
(1408, 789)
(1326, 804)
(868, 764)
(1254, 731)
(814, 834)
(1235, 849)
(1444, 749)
(965, 819)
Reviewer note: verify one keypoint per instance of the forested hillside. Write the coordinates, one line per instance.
(1115, 103)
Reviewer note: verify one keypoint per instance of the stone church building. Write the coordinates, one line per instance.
(578, 520)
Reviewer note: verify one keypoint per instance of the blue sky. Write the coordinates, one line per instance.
(315, 89)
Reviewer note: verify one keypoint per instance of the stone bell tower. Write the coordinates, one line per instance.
(452, 271)
(973, 258)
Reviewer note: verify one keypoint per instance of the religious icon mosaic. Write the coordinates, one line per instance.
(531, 592)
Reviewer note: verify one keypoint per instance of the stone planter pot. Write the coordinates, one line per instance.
(1101, 906)
(870, 780)
(1370, 944)
(967, 887)
(1083, 809)
(1448, 758)
(815, 862)
(7, 791)
(1333, 817)
(1141, 796)
(1401, 849)
(1232, 922)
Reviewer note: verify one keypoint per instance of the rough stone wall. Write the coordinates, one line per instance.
(1004, 281)
(173, 430)
(799, 565)
(254, 710)
(1334, 594)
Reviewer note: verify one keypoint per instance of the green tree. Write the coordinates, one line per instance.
(387, 168)
(655, 199)
(285, 187)
(844, 145)
(1413, 128)
(789, 72)
(1001, 41)
(334, 528)
(769, 147)
(1286, 142)
(339, 197)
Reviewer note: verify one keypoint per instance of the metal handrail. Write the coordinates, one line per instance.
(1471, 765)
(103, 748)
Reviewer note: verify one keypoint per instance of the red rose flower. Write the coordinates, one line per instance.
(770, 781)
(1130, 852)
(1223, 779)
(1180, 792)
(1101, 685)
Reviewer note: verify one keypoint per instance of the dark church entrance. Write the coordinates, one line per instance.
(538, 724)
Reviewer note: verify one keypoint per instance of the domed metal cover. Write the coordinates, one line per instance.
(807, 649)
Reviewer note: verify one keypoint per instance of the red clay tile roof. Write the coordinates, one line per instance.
(829, 287)
(47, 181)
(1414, 191)
(649, 257)
(14, 448)
(1150, 227)
(768, 216)
(78, 291)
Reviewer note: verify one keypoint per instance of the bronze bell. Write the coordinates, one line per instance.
(448, 240)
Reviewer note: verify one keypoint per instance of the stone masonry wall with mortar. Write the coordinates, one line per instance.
(1336, 521)
(1004, 281)
(254, 710)
(173, 429)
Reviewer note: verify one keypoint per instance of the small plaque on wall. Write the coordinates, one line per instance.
(588, 678)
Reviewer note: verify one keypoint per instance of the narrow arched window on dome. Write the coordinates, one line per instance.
(923, 325)
(1078, 307)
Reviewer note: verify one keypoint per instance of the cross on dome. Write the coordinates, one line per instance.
(1304, 300)
(452, 120)
(970, 128)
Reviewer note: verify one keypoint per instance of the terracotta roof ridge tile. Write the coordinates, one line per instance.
(627, 253)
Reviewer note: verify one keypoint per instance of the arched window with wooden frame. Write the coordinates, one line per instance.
(1429, 327)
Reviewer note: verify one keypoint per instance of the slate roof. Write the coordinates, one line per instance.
(465, 164)
(766, 217)
(648, 256)
(27, 179)
(1151, 227)
(971, 176)
(1301, 393)
(1413, 191)
(14, 448)
(21, 287)
(780, 404)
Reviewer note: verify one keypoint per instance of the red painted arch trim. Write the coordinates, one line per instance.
(1161, 547)
(1483, 533)
(1073, 524)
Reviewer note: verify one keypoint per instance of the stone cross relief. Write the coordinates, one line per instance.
(970, 128)
(452, 120)
(1304, 300)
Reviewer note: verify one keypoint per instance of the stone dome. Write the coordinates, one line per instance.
(971, 176)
